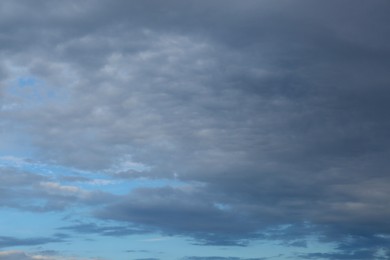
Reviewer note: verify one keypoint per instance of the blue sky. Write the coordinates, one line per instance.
(194, 130)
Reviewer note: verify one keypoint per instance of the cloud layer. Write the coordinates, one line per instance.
(273, 116)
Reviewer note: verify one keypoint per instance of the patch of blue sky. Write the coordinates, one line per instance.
(162, 247)
(24, 224)
(131, 247)
(49, 170)
(29, 165)
(29, 91)
(175, 247)
(314, 245)
(109, 248)
(27, 88)
(27, 81)
(150, 245)
(257, 248)
(121, 187)
(126, 163)
(86, 180)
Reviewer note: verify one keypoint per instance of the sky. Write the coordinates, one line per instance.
(194, 130)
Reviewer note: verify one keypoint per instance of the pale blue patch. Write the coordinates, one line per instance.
(151, 245)
(28, 81)
(222, 206)
(29, 91)
(23, 224)
(126, 163)
(105, 247)
(86, 180)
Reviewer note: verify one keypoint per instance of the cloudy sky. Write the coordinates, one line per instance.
(195, 130)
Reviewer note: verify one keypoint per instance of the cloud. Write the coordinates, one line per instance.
(357, 247)
(181, 211)
(6, 241)
(358, 255)
(22, 189)
(92, 228)
(221, 258)
(16, 255)
(20, 255)
(147, 259)
(277, 114)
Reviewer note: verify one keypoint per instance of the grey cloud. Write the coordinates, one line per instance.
(358, 255)
(34, 192)
(211, 103)
(11, 177)
(14, 255)
(147, 259)
(279, 109)
(186, 212)
(92, 228)
(138, 251)
(6, 241)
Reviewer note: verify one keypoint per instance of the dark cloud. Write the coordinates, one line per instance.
(357, 247)
(275, 114)
(358, 255)
(182, 211)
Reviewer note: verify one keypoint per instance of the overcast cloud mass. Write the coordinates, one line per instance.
(213, 130)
